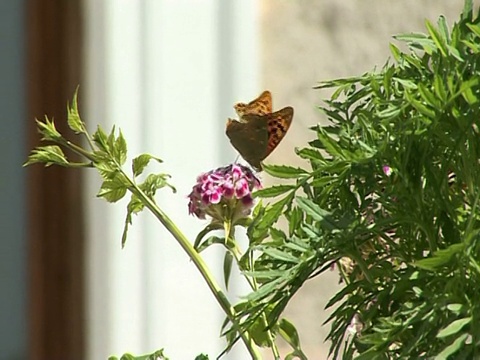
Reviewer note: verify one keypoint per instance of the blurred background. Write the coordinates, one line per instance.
(167, 72)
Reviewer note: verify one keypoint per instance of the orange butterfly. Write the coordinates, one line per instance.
(259, 131)
(260, 106)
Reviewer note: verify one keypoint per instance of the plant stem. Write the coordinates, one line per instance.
(184, 243)
(199, 263)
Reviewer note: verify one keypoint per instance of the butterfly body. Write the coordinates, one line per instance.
(259, 130)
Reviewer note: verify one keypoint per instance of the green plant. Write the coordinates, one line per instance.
(390, 200)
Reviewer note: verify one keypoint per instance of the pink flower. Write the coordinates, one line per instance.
(223, 193)
(387, 170)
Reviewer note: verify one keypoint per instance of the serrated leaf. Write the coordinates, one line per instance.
(153, 182)
(317, 213)
(330, 145)
(280, 255)
(48, 130)
(135, 205)
(120, 149)
(49, 155)
(112, 190)
(309, 154)
(322, 181)
(284, 172)
(272, 213)
(73, 117)
(101, 139)
(453, 327)
(273, 191)
(106, 169)
(141, 161)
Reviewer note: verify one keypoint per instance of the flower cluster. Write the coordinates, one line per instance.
(224, 193)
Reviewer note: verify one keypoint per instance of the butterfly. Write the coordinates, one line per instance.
(260, 106)
(259, 130)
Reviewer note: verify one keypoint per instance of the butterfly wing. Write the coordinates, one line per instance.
(278, 124)
(260, 106)
(250, 139)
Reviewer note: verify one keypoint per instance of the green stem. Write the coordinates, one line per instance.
(199, 263)
(187, 247)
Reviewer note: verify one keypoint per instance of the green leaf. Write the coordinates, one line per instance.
(317, 213)
(154, 182)
(157, 355)
(458, 344)
(272, 213)
(440, 42)
(280, 255)
(397, 55)
(322, 181)
(288, 332)
(141, 161)
(428, 96)
(439, 88)
(309, 154)
(475, 28)
(210, 241)
(199, 357)
(113, 190)
(120, 149)
(330, 145)
(440, 257)
(134, 207)
(467, 91)
(455, 308)
(73, 118)
(227, 267)
(420, 106)
(207, 229)
(106, 169)
(454, 327)
(258, 332)
(467, 10)
(48, 130)
(443, 28)
(273, 191)
(49, 155)
(284, 172)
(418, 40)
(101, 140)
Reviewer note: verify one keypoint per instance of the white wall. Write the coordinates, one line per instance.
(167, 72)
